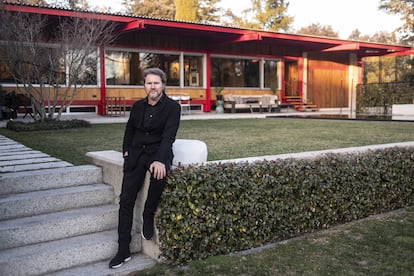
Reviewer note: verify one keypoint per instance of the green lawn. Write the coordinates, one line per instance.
(380, 246)
(383, 245)
(227, 139)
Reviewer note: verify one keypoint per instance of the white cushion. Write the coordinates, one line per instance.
(189, 151)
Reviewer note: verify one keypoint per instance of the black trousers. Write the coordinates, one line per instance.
(133, 180)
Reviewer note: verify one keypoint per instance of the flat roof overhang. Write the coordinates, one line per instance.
(216, 34)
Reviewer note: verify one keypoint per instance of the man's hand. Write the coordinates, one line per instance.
(157, 169)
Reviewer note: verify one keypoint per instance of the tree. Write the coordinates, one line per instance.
(380, 69)
(384, 37)
(204, 11)
(405, 8)
(208, 12)
(228, 18)
(50, 69)
(159, 9)
(186, 10)
(71, 4)
(269, 15)
(380, 37)
(319, 30)
(357, 35)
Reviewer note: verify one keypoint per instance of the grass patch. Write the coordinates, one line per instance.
(226, 139)
(382, 245)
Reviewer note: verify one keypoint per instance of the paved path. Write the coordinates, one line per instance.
(98, 119)
(15, 157)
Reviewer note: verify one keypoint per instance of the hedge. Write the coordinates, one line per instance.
(216, 209)
(47, 125)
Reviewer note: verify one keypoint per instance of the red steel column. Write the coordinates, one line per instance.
(207, 102)
(102, 102)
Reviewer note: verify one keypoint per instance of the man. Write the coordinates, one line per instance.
(147, 146)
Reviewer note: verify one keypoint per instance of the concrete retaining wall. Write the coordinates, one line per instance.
(403, 112)
(194, 152)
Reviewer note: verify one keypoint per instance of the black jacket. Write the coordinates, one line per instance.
(156, 140)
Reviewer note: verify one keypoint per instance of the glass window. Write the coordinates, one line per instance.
(50, 65)
(126, 68)
(85, 71)
(122, 68)
(5, 74)
(193, 71)
(230, 72)
(41, 65)
(270, 74)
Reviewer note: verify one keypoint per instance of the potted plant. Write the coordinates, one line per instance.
(219, 96)
(219, 100)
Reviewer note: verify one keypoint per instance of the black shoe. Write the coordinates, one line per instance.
(147, 228)
(120, 259)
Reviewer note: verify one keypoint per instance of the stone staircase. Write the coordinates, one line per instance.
(57, 218)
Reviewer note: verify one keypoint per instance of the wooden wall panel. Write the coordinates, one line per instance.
(194, 93)
(292, 79)
(246, 91)
(83, 94)
(128, 92)
(328, 82)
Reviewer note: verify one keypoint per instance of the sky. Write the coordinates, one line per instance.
(343, 16)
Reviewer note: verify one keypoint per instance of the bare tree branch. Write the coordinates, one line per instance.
(50, 63)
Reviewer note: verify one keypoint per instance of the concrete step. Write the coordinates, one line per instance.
(48, 257)
(308, 108)
(56, 218)
(37, 166)
(11, 147)
(23, 155)
(138, 263)
(28, 181)
(11, 162)
(59, 225)
(54, 200)
(27, 161)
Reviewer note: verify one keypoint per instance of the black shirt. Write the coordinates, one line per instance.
(152, 129)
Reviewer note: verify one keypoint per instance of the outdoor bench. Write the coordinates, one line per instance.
(235, 103)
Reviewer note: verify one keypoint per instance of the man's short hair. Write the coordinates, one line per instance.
(155, 71)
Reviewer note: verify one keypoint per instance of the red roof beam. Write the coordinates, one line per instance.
(401, 53)
(245, 37)
(343, 47)
(134, 25)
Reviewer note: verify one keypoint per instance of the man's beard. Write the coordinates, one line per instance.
(154, 96)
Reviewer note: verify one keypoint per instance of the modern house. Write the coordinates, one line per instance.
(199, 59)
